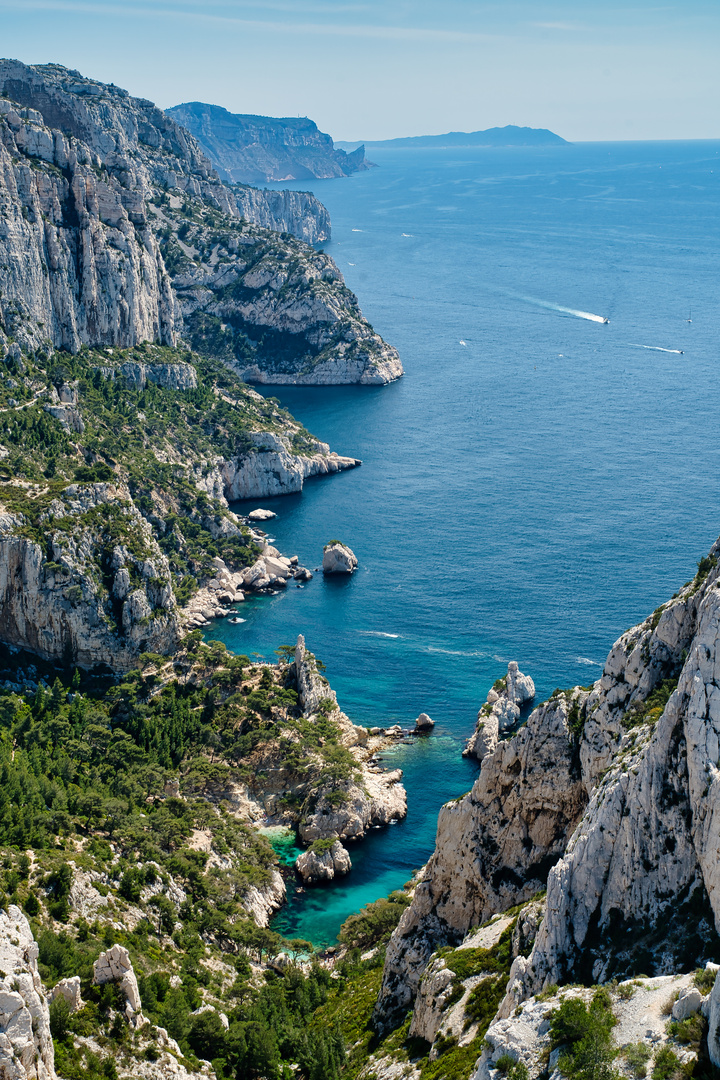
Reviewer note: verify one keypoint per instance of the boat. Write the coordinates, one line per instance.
(606, 320)
(689, 318)
(235, 620)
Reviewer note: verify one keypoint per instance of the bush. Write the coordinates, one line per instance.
(375, 922)
(59, 1017)
(584, 1032)
(666, 1064)
(637, 1056)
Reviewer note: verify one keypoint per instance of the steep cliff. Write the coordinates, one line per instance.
(114, 229)
(254, 149)
(296, 212)
(615, 785)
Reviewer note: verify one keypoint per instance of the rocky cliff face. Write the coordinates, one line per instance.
(296, 212)
(114, 229)
(26, 1047)
(117, 468)
(254, 149)
(96, 591)
(615, 785)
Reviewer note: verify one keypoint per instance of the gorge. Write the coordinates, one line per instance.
(131, 793)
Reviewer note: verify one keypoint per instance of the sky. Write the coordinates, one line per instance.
(376, 69)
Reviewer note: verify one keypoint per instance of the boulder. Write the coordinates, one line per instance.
(338, 559)
(70, 990)
(688, 1003)
(275, 567)
(424, 723)
(261, 515)
(316, 866)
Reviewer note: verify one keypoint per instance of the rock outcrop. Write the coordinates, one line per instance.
(255, 149)
(59, 608)
(616, 786)
(116, 230)
(296, 212)
(423, 724)
(323, 865)
(114, 965)
(70, 990)
(500, 712)
(26, 1047)
(338, 559)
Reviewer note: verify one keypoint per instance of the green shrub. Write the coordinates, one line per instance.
(584, 1034)
(666, 1064)
(375, 922)
(637, 1056)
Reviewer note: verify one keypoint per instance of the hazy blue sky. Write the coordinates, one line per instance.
(382, 68)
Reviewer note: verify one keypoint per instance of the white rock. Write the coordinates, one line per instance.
(688, 1003)
(114, 965)
(314, 867)
(424, 723)
(261, 515)
(70, 990)
(338, 559)
(26, 1047)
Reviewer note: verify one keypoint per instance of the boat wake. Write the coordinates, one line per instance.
(656, 348)
(378, 633)
(356, 230)
(550, 306)
(587, 660)
(588, 315)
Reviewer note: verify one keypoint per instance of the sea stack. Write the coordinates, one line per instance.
(338, 559)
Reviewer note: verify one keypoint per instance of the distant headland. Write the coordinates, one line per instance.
(250, 149)
(511, 135)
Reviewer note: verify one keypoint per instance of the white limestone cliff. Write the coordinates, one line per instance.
(618, 786)
(26, 1047)
(95, 249)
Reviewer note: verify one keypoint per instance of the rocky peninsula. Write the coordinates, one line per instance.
(254, 149)
(117, 230)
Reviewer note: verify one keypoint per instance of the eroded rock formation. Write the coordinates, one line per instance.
(26, 1047)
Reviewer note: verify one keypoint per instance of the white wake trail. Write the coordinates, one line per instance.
(656, 348)
(565, 310)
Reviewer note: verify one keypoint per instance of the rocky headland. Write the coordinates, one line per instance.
(254, 149)
(115, 229)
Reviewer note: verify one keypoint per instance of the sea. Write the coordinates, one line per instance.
(539, 480)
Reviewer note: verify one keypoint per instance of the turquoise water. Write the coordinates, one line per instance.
(526, 495)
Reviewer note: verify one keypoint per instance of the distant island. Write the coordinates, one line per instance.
(511, 135)
(251, 149)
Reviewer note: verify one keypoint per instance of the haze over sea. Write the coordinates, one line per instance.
(538, 482)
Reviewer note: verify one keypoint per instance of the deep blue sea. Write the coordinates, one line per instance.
(538, 481)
